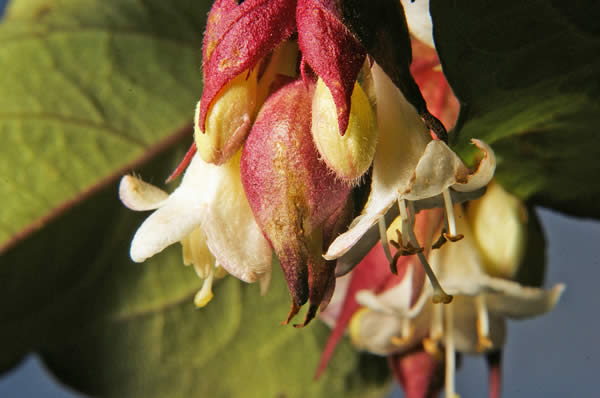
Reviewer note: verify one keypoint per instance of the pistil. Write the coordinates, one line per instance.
(483, 326)
(450, 353)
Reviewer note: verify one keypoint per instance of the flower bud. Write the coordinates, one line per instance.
(499, 223)
(228, 119)
(293, 195)
(350, 154)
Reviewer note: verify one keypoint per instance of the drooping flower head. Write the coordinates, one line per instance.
(309, 107)
(484, 271)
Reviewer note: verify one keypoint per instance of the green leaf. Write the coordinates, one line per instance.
(91, 90)
(88, 88)
(527, 74)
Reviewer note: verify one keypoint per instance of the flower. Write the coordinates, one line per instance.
(410, 166)
(391, 323)
(238, 41)
(294, 112)
(298, 203)
(207, 211)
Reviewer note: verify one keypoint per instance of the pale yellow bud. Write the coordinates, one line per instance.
(499, 223)
(350, 155)
(228, 120)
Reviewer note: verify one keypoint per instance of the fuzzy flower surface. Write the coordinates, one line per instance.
(309, 131)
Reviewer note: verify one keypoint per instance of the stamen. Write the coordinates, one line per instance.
(431, 344)
(405, 221)
(386, 246)
(439, 295)
(450, 353)
(449, 212)
(451, 236)
(483, 326)
(205, 294)
(406, 333)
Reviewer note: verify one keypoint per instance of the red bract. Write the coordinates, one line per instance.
(420, 374)
(428, 74)
(331, 50)
(373, 273)
(237, 37)
(295, 199)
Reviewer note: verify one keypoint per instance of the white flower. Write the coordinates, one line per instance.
(408, 164)
(475, 320)
(209, 214)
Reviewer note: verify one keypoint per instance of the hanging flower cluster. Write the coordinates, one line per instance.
(311, 135)
(393, 316)
(489, 273)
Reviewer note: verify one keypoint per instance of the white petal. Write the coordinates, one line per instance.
(485, 169)
(177, 218)
(458, 266)
(419, 20)
(518, 301)
(139, 195)
(440, 168)
(232, 234)
(402, 140)
(394, 301)
(374, 331)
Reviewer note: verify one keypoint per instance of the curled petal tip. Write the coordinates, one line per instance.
(139, 195)
(484, 172)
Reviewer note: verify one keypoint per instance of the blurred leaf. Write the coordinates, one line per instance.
(88, 87)
(91, 90)
(527, 74)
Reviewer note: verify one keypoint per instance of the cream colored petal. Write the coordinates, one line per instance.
(375, 331)
(440, 168)
(179, 214)
(232, 234)
(402, 140)
(139, 195)
(419, 20)
(484, 172)
(512, 300)
(394, 301)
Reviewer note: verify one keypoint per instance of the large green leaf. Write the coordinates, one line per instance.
(527, 74)
(89, 90)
